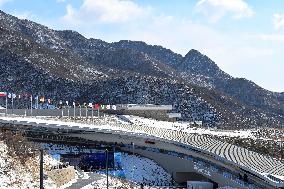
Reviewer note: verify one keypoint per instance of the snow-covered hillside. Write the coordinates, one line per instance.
(15, 175)
(143, 170)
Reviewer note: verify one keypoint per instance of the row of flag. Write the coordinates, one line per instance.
(60, 102)
(13, 95)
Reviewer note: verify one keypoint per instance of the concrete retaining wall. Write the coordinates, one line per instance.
(62, 176)
(154, 114)
(49, 112)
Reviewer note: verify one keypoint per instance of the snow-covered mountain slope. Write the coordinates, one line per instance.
(64, 65)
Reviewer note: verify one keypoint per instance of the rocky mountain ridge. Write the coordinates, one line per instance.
(66, 65)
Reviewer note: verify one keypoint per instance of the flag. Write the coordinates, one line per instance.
(41, 99)
(19, 96)
(97, 106)
(102, 107)
(14, 95)
(113, 107)
(74, 104)
(90, 105)
(49, 101)
(108, 107)
(60, 102)
(26, 95)
(67, 103)
(36, 98)
(2, 94)
(9, 95)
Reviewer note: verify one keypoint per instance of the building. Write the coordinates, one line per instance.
(159, 112)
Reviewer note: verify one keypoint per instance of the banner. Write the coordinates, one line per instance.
(2, 94)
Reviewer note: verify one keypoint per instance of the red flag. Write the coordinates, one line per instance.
(3, 94)
(97, 106)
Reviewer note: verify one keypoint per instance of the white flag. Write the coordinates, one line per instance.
(67, 103)
(9, 95)
(74, 104)
(114, 107)
(14, 95)
(90, 105)
(108, 107)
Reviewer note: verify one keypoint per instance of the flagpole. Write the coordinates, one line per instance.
(68, 112)
(37, 102)
(31, 105)
(6, 112)
(74, 110)
(12, 103)
(99, 112)
(92, 114)
(86, 112)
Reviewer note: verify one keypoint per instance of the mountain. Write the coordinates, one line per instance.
(66, 65)
(200, 70)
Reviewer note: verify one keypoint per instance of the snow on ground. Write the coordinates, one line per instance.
(113, 183)
(186, 127)
(14, 175)
(102, 123)
(143, 170)
(109, 122)
(54, 149)
(226, 187)
(136, 169)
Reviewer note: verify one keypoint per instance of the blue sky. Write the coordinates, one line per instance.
(244, 37)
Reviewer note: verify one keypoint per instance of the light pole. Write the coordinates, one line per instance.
(133, 147)
(41, 169)
(107, 166)
(281, 144)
